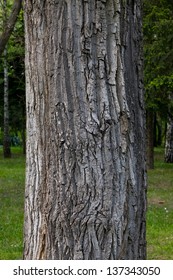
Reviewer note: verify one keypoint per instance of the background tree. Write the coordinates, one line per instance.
(169, 133)
(6, 141)
(16, 80)
(158, 54)
(10, 23)
(85, 180)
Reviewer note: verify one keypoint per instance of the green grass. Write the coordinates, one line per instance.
(11, 205)
(159, 215)
(160, 209)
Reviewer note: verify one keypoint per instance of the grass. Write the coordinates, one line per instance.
(11, 205)
(159, 215)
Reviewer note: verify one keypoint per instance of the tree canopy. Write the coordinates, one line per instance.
(158, 52)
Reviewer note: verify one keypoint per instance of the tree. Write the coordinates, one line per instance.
(169, 133)
(158, 54)
(86, 177)
(150, 138)
(12, 81)
(10, 25)
(17, 81)
(6, 141)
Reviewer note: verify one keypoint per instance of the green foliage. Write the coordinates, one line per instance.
(158, 53)
(16, 76)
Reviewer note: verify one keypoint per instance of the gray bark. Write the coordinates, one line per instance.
(86, 174)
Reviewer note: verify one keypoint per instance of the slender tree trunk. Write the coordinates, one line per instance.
(150, 139)
(169, 136)
(158, 121)
(23, 132)
(169, 142)
(157, 130)
(10, 23)
(86, 175)
(6, 141)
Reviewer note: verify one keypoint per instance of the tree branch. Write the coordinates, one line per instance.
(9, 26)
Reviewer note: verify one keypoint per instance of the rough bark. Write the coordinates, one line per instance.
(86, 175)
(9, 26)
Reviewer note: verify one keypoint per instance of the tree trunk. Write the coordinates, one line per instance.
(169, 135)
(6, 140)
(150, 139)
(169, 142)
(158, 123)
(86, 175)
(23, 130)
(10, 23)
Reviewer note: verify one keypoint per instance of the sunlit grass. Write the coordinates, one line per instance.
(11, 205)
(160, 209)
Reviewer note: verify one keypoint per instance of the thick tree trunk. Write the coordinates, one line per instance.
(86, 175)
